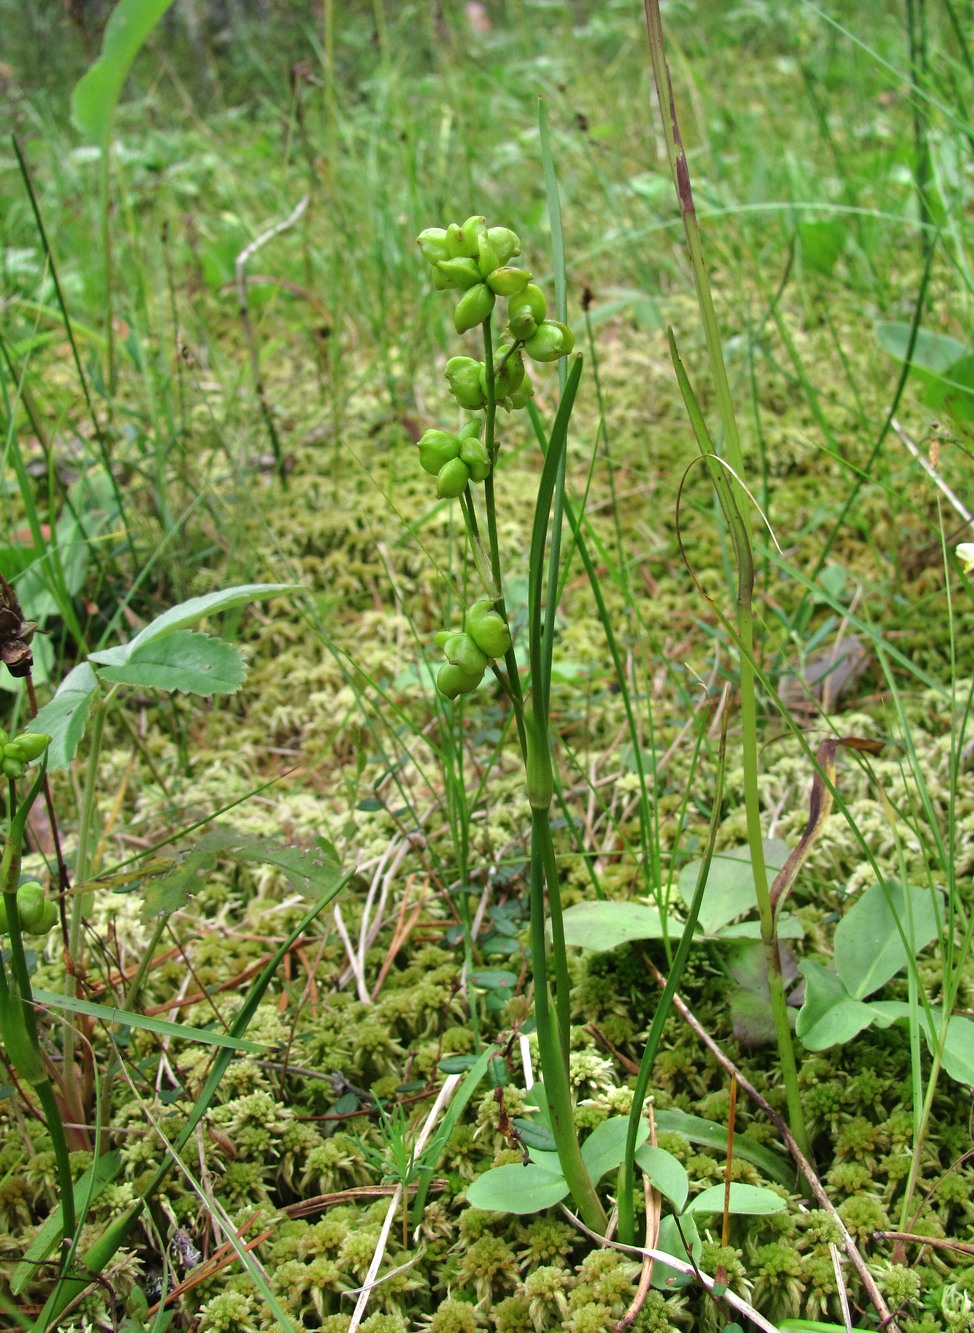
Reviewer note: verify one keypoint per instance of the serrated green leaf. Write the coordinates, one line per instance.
(666, 1173)
(516, 1189)
(64, 718)
(309, 870)
(605, 1147)
(170, 892)
(750, 1199)
(185, 660)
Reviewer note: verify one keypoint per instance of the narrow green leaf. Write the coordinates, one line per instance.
(107, 1013)
(743, 1199)
(95, 1178)
(186, 661)
(709, 1134)
(666, 1173)
(65, 717)
(516, 1189)
(96, 95)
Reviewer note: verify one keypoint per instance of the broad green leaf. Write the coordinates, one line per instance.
(185, 660)
(95, 1178)
(95, 96)
(829, 1015)
(730, 884)
(606, 925)
(822, 241)
(167, 893)
(709, 1134)
(868, 948)
(494, 978)
(743, 1199)
(605, 1147)
(958, 1052)
(953, 392)
(106, 1013)
(516, 1189)
(64, 718)
(189, 612)
(934, 352)
(666, 1173)
(671, 1242)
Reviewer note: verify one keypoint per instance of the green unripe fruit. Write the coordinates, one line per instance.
(436, 449)
(473, 453)
(551, 341)
(504, 242)
(443, 637)
(463, 375)
(453, 680)
(30, 904)
(470, 234)
(454, 243)
(508, 372)
(473, 307)
(11, 766)
(462, 651)
(48, 919)
(31, 744)
(526, 311)
(487, 259)
(487, 628)
(432, 244)
(452, 478)
(461, 273)
(507, 281)
(468, 429)
(521, 396)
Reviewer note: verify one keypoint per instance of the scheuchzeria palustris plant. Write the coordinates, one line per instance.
(475, 260)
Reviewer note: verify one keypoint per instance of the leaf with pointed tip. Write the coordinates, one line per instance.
(65, 716)
(184, 660)
(516, 1189)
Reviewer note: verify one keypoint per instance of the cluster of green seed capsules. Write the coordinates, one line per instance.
(468, 652)
(36, 912)
(16, 754)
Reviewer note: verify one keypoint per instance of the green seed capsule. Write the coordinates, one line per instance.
(487, 259)
(507, 281)
(30, 903)
(508, 372)
(31, 745)
(487, 627)
(469, 429)
(473, 307)
(432, 244)
(454, 243)
(471, 232)
(461, 273)
(12, 768)
(436, 449)
(48, 919)
(474, 453)
(452, 478)
(504, 242)
(461, 651)
(453, 680)
(550, 341)
(463, 375)
(521, 396)
(526, 311)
